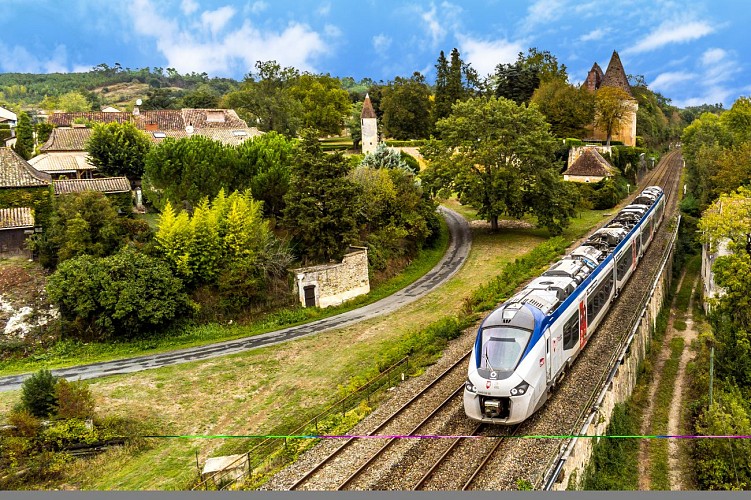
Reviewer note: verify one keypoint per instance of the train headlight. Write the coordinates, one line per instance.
(470, 387)
(520, 389)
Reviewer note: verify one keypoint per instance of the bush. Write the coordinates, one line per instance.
(26, 425)
(38, 394)
(74, 400)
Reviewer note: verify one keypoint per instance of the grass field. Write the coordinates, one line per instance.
(252, 392)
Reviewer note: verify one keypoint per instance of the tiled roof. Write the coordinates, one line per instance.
(105, 185)
(61, 162)
(161, 119)
(590, 163)
(367, 108)
(16, 172)
(230, 137)
(12, 218)
(67, 139)
(615, 75)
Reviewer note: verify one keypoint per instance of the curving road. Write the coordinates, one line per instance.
(451, 262)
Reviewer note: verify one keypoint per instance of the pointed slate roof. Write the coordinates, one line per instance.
(615, 75)
(367, 108)
(590, 163)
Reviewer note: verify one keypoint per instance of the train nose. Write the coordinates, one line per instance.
(495, 407)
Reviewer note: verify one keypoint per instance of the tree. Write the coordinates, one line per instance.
(157, 98)
(443, 100)
(407, 108)
(455, 81)
(612, 106)
(568, 109)
(81, 223)
(73, 102)
(203, 97)
(384, 157)
(73, 400)
(321, 203)
(24, 137)
(354, 124)
(499, 157)
(265, 100)
(123, 295)
(518, 81)
(324, 103)
(38, 394)
(118, 149)
(43, 130)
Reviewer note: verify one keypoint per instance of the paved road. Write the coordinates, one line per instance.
(451, 262)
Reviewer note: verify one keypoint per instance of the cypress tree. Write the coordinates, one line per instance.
(24, 137)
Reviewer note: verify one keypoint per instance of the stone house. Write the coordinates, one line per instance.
(64, 154)
(589, 166)
(615, 76)
(22, 186)
(331, 284)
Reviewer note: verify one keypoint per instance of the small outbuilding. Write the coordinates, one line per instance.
(331, 284)
(590, 166)
(16, 225)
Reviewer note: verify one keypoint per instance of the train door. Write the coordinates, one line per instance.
(556, 352)
(582, 324)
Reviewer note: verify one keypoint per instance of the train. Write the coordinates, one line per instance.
(525, 346)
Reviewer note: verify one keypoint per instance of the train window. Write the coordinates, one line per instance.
(599, 298)
(571, 332)
(624, 263)
(502, 348)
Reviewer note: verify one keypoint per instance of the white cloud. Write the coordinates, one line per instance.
(668, 80)
(324, 9)
(597, 34)
(543, 12)
(18, 59)
(438, 20)
(216, 20)
(485, 55)
(713, 56)
(258, 7)
(381, 43)
(671, 32)
(189, 6)
(187, 49)
(433, 27)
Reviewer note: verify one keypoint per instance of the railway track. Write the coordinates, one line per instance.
(492, 459)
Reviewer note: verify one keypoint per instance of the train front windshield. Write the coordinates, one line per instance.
(502, 348)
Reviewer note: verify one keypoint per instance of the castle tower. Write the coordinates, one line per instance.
(594, 78)
(615, 76)
(369, 126)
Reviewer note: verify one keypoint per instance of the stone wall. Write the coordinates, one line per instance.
(335, 283)
(576, 455)
(626, 133)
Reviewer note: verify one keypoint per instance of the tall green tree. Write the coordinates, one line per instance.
(321, 203)
(567, 108)
(24, 137)
(265, 100)
(455, 81)
(517, 81)
(443, 102)
(325, 104)
(499, 157)
(406, 107)
(612, 106)
(118, 149)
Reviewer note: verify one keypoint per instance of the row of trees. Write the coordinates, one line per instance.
(716, 150)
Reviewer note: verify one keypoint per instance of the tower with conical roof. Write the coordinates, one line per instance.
(369, 126)
(615, 76)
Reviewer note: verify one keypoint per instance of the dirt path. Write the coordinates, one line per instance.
(676, 405)
(644, 461)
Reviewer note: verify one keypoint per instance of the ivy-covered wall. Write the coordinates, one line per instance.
(37, 198)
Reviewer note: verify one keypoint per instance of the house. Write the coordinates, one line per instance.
(9, 117)
(22, 186)
(615, 76)
(64, 154)
(589, 166)
(16, 225)
(220, 124)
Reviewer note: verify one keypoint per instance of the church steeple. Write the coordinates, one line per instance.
(369, 126)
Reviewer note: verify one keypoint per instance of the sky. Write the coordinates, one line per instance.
(691, 51)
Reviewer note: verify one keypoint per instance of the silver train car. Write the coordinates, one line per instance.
(525, 346)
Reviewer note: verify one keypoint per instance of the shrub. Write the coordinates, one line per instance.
(38, 394)
(74, 400)
(26, 424)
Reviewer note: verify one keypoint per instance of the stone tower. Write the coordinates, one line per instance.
(615, 76)
(369, 126)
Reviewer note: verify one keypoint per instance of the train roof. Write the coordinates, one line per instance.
(563, 278)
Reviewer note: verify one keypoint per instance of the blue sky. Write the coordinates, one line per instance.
(691, 51)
